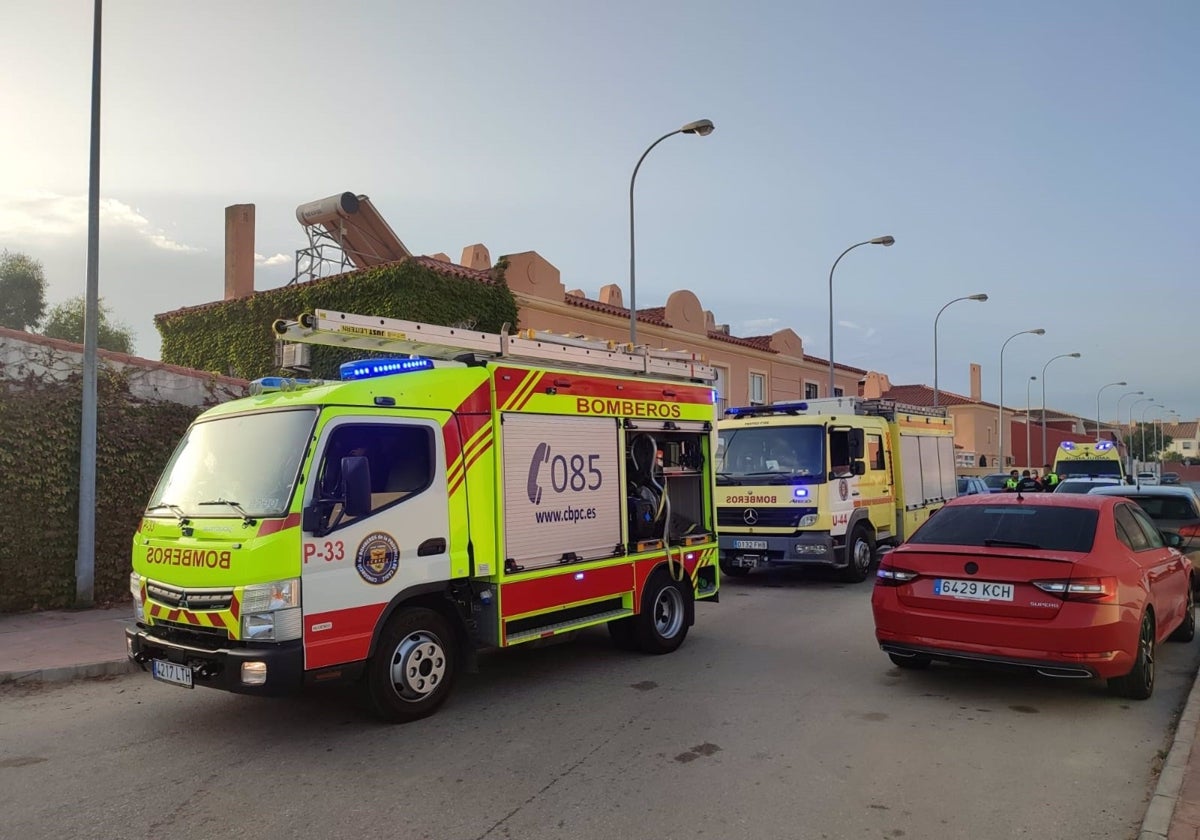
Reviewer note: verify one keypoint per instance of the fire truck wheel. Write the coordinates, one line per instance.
(662, 624)
(860, 554)
(623, 633)
(414, 665)
(728, 568)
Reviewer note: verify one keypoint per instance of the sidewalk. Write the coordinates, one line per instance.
(61, 646)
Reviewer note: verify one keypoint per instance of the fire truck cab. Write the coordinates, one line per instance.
(475, 490)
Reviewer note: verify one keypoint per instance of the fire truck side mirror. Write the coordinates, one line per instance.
(356, 478)
(856, 439)
(859, 467)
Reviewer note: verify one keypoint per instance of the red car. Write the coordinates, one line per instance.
(1063, 585)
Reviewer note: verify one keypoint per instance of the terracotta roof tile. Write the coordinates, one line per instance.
(922, 395)
(754, 342)
(645, 316)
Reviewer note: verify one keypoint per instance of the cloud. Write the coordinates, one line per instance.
(45, 215)
(278, 259)
(759, 326)
(867, 332)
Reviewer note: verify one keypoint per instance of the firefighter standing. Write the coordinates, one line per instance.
(1010, 483)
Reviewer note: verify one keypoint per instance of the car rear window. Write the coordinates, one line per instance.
(1012, 526)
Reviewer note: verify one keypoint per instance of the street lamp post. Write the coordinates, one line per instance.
(878, 240)
(1000, 423)
(1131, 405)
(979, 297)
(701, 128)
(1121, 399)
(1060, 356)
(1098, 393)
(1028, 459)
(1145, 411)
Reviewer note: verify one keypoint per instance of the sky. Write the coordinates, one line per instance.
(1041, 153)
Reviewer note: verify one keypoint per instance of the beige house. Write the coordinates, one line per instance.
(751, 369)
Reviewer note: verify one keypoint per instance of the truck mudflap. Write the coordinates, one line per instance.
(263, 669)
(814, 548)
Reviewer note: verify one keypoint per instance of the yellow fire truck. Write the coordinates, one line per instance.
(826, 482)
(475, 490)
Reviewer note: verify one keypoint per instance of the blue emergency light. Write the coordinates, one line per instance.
(773, 408)
(273, 384)
(801, 493)
(1067, 445)
(1104, 445)
(370, 368)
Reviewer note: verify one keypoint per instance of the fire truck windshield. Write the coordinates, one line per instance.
(251, 458)
(773, 453)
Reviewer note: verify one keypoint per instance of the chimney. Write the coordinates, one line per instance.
(239, 251)
(976, 383)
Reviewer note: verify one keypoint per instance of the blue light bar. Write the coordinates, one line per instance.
(1067, 445)
(1104, 445)
(273, 384)
(370, 368)
(773, 408)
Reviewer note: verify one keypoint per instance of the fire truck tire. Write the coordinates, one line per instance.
(662, 624)
(728, 568)
(860, 554)
(623, 633)
(414, 665)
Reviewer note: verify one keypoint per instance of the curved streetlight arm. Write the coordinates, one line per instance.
(1059, 356)
(1000, 405)
(632, 282)
(878, 240)
(835, 263)
(978, 297)
(1098, 393)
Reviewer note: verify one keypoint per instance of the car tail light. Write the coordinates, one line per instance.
(1094, 589)
(888, 576)
(1188, 531)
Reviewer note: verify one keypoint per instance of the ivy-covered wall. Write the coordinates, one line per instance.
(234, 337)
(39, 474)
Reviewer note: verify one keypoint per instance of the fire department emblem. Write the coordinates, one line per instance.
(843, 490)
(377, 558)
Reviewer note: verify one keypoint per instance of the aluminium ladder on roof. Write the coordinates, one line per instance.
(394, 335)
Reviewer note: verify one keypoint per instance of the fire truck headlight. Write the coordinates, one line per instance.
(135, 589)
(275, 626)
(808, 520)
(276, 595)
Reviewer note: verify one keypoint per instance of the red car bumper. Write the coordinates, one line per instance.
(1081, 640)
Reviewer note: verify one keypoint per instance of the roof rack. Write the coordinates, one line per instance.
(394, 335)
(832, 405)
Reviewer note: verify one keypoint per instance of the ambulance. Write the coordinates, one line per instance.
(473, 490)
(1099, 459)
(827, 482)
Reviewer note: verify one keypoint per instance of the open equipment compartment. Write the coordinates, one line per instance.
(665, 465)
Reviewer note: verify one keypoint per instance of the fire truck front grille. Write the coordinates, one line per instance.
(189, 599)
(742, 517)
(210, 638)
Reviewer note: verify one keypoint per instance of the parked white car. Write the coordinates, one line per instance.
(1147, 478)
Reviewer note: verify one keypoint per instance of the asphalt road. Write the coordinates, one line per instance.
(779, 718)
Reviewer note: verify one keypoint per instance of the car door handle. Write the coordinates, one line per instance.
(436, 545)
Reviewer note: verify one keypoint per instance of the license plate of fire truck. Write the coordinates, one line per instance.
(169, 672)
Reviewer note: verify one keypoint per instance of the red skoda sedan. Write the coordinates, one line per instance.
(1061, 584)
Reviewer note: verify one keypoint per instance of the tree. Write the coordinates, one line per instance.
(1133, 443)
(65, 321)
(22, 291)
